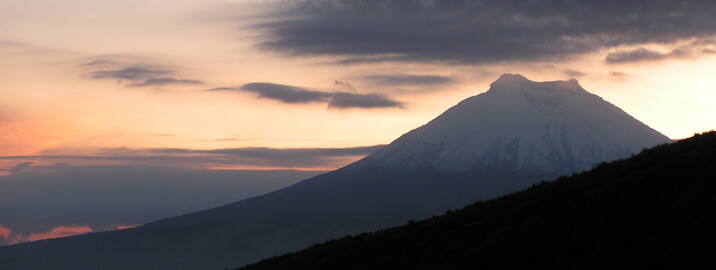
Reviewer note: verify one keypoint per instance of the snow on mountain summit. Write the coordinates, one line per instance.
(555, 126)
(517, 133)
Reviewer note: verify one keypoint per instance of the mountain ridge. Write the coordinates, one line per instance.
(652, 210)
(403, 180)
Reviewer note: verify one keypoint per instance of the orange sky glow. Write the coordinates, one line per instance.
(50, 103)
(164, 83)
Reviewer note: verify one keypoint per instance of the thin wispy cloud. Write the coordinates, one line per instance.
(275, 153)
(407, 80)
(299, 95)
(618, 75)
(165, 81)
(637, 55)
(688, 50)
(478, 32)
(285, 93)
(100, 62)
(130, 73)
(307, 158)
(573, 73)
(350, 100)
(340, 86)
(136, 75)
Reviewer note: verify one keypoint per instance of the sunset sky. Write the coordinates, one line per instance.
(127, 80)
(315, 85)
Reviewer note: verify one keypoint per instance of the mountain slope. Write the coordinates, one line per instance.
(425, 172)
(654, 210)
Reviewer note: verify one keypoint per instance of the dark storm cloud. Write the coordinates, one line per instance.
(478, 32)
(408, 80)
(164, 81)
(350, 100)
(294, 94)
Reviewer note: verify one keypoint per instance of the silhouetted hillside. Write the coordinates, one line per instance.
(655, 209)
(498, 142)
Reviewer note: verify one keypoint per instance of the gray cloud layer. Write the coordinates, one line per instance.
(408, 80)
(690, 49)
(276, 154)
(129, 73)
(285, 93)
(478, 32)
(250, 156)
(164, 81)
(99, 62)
(637, 55)
(573, 73)
(350, 100)
(294, 94)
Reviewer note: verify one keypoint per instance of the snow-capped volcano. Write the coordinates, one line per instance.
(556, 126)
(516, 134)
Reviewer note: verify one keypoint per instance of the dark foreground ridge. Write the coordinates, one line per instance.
(498, 142)
(655, 209)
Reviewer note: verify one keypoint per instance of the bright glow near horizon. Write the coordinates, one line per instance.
(50, 103)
